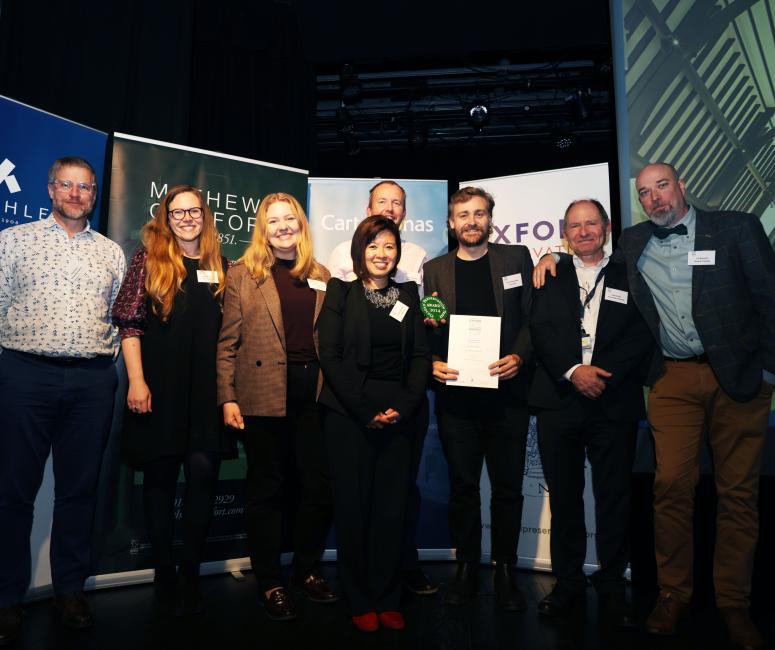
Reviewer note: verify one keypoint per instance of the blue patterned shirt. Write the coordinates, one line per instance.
(665, 267)
(56, 292)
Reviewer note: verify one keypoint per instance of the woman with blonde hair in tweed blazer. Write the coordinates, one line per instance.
(268, 382)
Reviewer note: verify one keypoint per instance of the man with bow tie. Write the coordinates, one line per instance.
(705, 284)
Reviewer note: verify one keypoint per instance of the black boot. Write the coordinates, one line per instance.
(165, 586)
(465, 585)
(190, 590)
(507, 594)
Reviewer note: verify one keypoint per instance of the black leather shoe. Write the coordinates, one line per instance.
(10, 623)
(615, 609)
(507, 594)
(559, 602)
(73, 610)
(165, 587)
(279, 606)
(418, 583)
(465, 586)
(315, 587)
(191, 602)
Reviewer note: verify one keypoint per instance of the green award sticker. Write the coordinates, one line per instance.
(433, 307)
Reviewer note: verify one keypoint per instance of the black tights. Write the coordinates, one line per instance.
(159, 487)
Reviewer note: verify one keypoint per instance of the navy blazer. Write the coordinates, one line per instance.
(345, 351)
(733, 300)
(622, 343)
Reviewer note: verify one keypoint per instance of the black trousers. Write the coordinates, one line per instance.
(409, 557)
(563, 438)
(286, 456)
(64, 408)
(499, 438)
(370, 475)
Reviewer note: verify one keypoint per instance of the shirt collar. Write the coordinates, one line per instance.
(580, 265)
(53, 224)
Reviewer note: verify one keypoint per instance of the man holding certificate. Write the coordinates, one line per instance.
(480, 364)
(590, 343)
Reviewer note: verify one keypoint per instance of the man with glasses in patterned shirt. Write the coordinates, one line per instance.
(58, 281)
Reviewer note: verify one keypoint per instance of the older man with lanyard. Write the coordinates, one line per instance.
(58, 281)
(705, 283)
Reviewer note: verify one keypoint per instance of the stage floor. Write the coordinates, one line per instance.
(125, 619)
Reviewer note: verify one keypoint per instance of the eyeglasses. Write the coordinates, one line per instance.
(66, 186)
(179, 214)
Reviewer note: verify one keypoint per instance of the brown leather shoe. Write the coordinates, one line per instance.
(740, 628)
(73, 610)
(315, 588)
(667, 615)
(278, 605)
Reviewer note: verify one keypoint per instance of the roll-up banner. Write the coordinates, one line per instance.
(30, 141)
(529, 210)
(142, 171)
(336, 207)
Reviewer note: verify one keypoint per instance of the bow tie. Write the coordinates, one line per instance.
(662, 233)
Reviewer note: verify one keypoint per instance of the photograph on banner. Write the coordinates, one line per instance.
(336, 207)
(30, 141)
(142, 172)
(718, 137)
(529, 207)
(529, 210)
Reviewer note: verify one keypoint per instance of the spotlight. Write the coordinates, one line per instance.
(478, 115)
(563, 141)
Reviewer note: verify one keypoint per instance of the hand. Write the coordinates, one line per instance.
(546, 263)
(138, 397)
(588, 380)
(232, 416)
(442, 372)
(432, 322)
(377, 422)
(506, 367)
(392, 416)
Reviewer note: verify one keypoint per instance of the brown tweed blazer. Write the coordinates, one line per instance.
(251, 362)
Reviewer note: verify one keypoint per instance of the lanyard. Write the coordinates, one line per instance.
(590, 295)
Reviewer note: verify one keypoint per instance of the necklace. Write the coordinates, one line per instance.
(379, 299)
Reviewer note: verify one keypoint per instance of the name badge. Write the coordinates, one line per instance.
(702, 258)
(512, 281)
(316, 284)
(586, 342)
(210, 277)
(616, 295)
(399, 311)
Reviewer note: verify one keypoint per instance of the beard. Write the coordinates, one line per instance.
(483, 236)
(663, 218)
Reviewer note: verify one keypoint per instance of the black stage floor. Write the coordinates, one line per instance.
(125, 619)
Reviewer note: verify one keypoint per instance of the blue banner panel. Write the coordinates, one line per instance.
(30, 140)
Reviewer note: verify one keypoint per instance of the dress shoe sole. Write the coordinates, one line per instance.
(422, 592)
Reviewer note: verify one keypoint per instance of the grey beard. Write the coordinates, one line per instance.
(663, 219)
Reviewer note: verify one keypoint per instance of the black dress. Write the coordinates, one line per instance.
(179, 367)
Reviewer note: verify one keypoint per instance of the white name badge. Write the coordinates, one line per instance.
(512, 281)
(586, 342)
(210, 277)
(316, 284)
(616, 295)
(399, 311)
(702, 258)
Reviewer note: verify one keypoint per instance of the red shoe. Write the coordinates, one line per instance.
(392, 620)
(367, 622)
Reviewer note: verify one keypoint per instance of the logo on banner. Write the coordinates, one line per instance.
(6, 167)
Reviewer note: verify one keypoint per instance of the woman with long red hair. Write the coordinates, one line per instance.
(169, 314)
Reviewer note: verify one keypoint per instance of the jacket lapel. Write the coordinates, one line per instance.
(569, 285)
(638, 287)
(272, 299)
(496, 273)
(703, 241)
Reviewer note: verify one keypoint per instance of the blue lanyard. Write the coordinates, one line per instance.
(590, 295)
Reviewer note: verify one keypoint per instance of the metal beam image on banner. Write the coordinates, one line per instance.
(529, 210)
